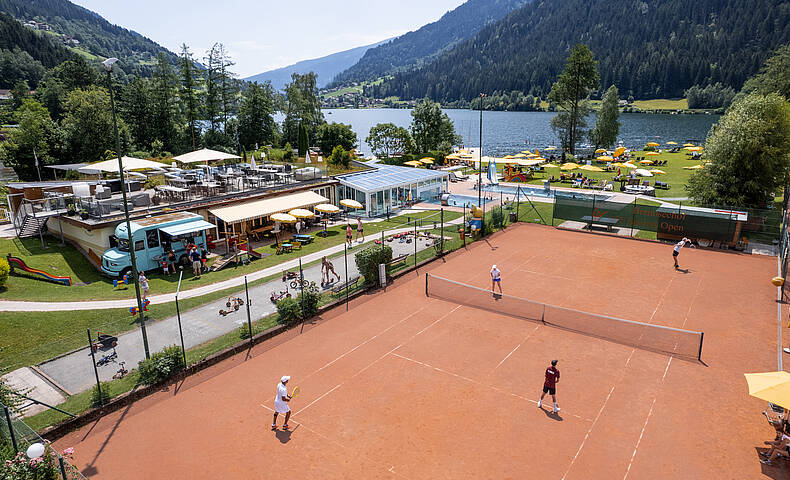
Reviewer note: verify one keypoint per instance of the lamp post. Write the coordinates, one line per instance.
(480, 163)
(107, 64)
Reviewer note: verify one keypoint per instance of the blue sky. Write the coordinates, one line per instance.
(266, 34)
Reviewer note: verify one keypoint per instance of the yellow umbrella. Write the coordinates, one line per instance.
(652, 154)
(605, 158)
(519, 155)
(591, 168)
(427, 161)
(688, 144)
(672, 143)
(550, 165)
(656, 171)
(427, 158)
(619, 151)
(600, 150)
(551, 148)
(772, 387)
(653, 144)
(301, 213)
(508, 157)
(647, 162)
(569, 166)
(694, 149)
(526, 151)
(453, 156)
(539, 159)
(350, 203)
(695, 167)
(283, 218)
(327, 208)
(413, 163)
(629, 165)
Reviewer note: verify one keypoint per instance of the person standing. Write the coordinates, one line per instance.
(360, 230)
(550, 385)
(348, 235)
(171, 259)
(678, 246)
(281, 400)
(496, 279)
(143, 284)
(194, 256)
(203, 258)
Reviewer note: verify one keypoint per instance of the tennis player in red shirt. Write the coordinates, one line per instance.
(550, 385)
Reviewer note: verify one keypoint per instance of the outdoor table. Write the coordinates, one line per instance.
(606, 221)
(303, 238)
(287, 247)
(285, 176)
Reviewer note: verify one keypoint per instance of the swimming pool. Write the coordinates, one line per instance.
(458, 200)
(539, 192)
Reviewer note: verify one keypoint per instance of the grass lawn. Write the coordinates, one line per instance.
(662, 104)
(676, 176)
(89, 284)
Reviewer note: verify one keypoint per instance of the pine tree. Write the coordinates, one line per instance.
(189, 91)
(163, 101)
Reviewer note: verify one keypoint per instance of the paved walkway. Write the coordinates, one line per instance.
(74, 373)
(23, 306)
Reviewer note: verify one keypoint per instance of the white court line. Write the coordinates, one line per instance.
(470, 380)
(514, 350)
(633, 455)
(383, 356)
(299, 424)
(663, 377)
(368, 340)
(661, 300)
(588, 433)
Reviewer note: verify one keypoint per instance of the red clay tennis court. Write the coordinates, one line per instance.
(406, 386)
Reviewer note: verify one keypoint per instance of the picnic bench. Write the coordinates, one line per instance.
(607, 222)
(348, 283)
(303, 239)
(261, 231)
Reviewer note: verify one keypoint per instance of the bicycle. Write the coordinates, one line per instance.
(121, 372)
(105, 359)
(295, 284)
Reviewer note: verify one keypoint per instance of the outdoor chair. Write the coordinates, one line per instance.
(646, 183)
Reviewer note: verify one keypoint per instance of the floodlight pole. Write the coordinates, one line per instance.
(107, 64)
(480, 166)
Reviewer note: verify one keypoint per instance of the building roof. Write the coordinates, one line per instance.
(268, 206)
(388, 176)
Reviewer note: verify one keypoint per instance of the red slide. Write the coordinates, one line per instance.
(18, 262)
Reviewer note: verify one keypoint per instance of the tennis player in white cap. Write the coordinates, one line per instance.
(281, 400)
(496, 279)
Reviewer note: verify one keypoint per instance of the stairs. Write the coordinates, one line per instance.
(30, 226)
(7, 174)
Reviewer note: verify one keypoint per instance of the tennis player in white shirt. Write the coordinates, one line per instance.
(496, 279)
(281, 400)
(676, 250)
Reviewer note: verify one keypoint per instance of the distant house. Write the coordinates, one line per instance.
(37, 25)
(71, 41)
(5, 94)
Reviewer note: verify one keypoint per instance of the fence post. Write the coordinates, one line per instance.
(441, 244)
(518, 202)
(249, 303)
(463, 226)
(62, 468)
(95, 370)
(553, 207)
(345, 262)
(592, 213)
(633, 217)
(11, 429)
(415, 242)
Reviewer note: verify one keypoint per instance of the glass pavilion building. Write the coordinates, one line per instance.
(389, 187)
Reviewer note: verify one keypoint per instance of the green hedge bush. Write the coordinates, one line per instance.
(301, 307)
(368, 261)
(161, 365)
(5, 269)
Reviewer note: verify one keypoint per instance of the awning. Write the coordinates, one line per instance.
(268, 206)
(182, 228)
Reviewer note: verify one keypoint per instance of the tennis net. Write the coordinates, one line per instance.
(655, 338)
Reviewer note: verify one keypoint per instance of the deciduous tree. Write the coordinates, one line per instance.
(432, 129)
(387, 139)
(571, 91)
(607, 125)
(333, 134)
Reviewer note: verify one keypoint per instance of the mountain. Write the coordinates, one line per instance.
(25, 55)
(87, 33)
(325, 67)
(649, 49)
(416, 47)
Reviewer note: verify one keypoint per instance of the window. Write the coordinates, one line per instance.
(139, 245)
(152, 237)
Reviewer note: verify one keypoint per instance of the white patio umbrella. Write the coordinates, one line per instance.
(320, 159)
(252, 163)
(642, 172)
(204, 156)
(129, 163)
(307, 157)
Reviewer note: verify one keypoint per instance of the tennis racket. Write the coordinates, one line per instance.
(296, 392)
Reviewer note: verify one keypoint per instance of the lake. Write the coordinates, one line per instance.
(510, 132)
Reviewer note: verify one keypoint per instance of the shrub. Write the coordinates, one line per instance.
(368, 261)
(161, 365)
(498, 217)
(340, 157)
(96, 399)
(288, 152)
(4, 271)
(301, 307)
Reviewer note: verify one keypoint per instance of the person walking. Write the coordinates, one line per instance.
(203, 258)
(496, 279)
(281, 400)
(143, 284)
(550, 385)
(348, 235)
(171, 259)
(360, 230)
(678, 246)
(326, 268)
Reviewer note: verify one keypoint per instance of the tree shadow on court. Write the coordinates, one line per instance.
(550, 414)
(284, 436)
(91, 470)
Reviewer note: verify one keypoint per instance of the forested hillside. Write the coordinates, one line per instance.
(96, 36)
(24, 54)
(655, 49)
(421, 45)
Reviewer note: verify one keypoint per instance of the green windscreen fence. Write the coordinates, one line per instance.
(694, 222)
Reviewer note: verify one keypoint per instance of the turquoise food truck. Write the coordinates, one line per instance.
(153, 238)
